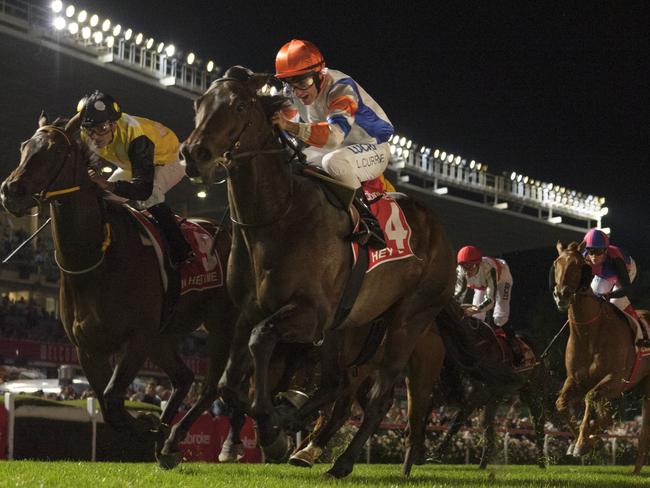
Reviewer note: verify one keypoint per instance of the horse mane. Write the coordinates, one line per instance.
(573, 246)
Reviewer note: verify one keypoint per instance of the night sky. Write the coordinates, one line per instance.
(557, 91)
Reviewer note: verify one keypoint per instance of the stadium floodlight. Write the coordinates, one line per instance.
(94, 20)
(480, 167)
(443, 190)
(513, 176)
(201, 194)
(602, 200)
(160, 47)
(402, 141)
(106, 25)
(450, 158)
(69, 11)
(190, 58)
(405, 153)
(484, 168)
(457, 160)
(170, 50)
(210, 66)
(519, 178)
(422, 149)
(409, 143)
(59, 23)
(139, 38)
(392, 149)
(526, 179)
(399, 152)
(555, 220)
(604, 211)
(149, 44)
(472, 163)
(110, 41)
(56, 6)
(443, 155)
(86, 32)
(98, 37)
(117, 29)
(128, 34)
(81, 18)
(107, 169)
(73, 28)
(436, 153)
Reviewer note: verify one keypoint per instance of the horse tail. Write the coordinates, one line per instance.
(461, 339)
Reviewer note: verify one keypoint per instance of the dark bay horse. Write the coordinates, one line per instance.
(601, 358)
(291, 255)
(111, 288)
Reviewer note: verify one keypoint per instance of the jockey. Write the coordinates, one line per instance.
(347, 130)
(146, 154)
(491, 281)
(614, 271)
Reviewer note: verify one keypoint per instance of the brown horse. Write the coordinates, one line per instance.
(291, 255)
(601, 359)
(111, 288)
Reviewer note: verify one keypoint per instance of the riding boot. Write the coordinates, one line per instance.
(179, 250)
(645, 342)
(513, 343)
(372, 235)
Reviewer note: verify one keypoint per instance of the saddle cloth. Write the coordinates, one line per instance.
(529, 359)
(636, 330)
(397, 230)
(205, 270)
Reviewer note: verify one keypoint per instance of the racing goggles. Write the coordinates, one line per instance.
(595, 252)
(301, 83)
(99, 129)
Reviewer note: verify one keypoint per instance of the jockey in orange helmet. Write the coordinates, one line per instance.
(347, 131)
(491, 281)
(614, 271)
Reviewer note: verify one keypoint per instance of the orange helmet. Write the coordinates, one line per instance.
(298, 58)
(469, 255)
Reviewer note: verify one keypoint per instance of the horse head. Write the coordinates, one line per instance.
(232, 117)
(571, 273)
(45, 168)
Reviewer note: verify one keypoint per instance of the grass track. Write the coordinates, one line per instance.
(84, 474)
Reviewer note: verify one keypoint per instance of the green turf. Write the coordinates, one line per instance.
(95, 475)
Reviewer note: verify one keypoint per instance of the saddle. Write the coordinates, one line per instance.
(529, 359)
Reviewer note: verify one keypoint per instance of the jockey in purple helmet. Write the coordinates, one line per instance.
(614, 271)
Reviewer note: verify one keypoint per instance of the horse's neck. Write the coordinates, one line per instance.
(77, 229)
(260, 190)
(585, 317)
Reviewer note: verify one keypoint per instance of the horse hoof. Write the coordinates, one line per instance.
(569, 451)
(338, 472)
(169, 460)
(305, 458)
(406, 468)
(299, 462)
(231, 453)
(278, 450)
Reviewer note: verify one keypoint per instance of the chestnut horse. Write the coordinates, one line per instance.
(291, 256)
(111, 288)
(601, 358)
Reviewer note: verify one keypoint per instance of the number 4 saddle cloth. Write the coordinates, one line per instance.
(393, 222)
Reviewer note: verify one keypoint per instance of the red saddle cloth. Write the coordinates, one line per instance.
(529, 359)
(393, 222)
(205, 270)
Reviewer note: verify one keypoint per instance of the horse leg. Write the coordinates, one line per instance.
(605, 389)
(98, 370)
(233, 385)
(563, 406)
(487, 423)
(399, 346)
(232, 449)
(644, 436)
(531, 396)
(423, 372)
(125, 370)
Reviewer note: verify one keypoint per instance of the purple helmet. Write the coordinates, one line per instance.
(596, 239)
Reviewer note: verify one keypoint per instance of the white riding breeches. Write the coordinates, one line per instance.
(165, 177)
(501, 310)
(600, 286)
(352, 164)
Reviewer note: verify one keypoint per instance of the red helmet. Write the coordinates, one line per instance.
(298, 58)
(469, 255)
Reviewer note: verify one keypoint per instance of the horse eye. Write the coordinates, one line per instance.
(241, 107)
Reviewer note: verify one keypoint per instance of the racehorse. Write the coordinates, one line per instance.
(291, 255)
(601, 359)
(469, 389)
(111, 289)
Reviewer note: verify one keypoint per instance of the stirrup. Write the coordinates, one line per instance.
(367, 237)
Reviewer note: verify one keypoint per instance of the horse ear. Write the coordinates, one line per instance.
(559, 246)
(73, 124)
(42, 119)
(258, 80)
(581, 246)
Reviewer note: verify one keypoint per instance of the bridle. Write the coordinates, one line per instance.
(230, 155)
(582, 290)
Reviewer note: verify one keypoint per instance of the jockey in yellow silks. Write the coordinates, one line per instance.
(146, 154)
